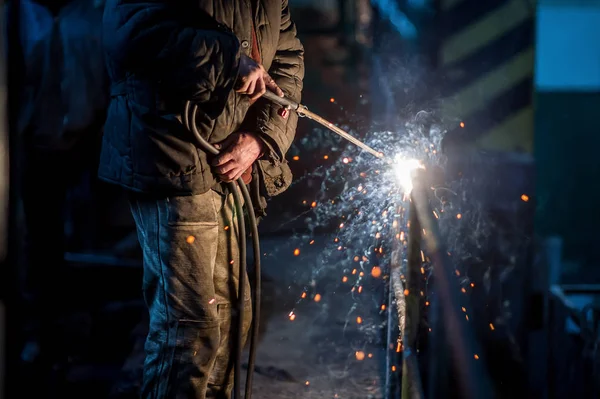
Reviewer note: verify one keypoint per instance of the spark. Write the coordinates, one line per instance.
(376, 271)
(406, 292)
(226, 228)
(492, 327)
(314, 204)
(360, 355)
(524, 198)
(296, 251)
(344, 279)
(292, 316)
(296, 158)
(212, 301)
(359, 320)
(190, 239)
(303, 295)
(325, 157)
(462, 124)
(317, 297)
(459, 216)
(476, 356)
(404, 170)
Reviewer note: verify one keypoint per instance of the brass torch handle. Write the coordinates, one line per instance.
(283, 101)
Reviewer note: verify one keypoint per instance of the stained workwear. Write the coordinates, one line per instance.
(191, 261)
(161, 53)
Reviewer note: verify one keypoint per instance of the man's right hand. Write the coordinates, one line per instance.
(253, 80)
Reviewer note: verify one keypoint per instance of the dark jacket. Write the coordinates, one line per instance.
(163, 52)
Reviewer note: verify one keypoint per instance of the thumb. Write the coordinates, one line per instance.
(271, 85)
(225, 143)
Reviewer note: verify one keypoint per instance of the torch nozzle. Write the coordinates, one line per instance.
(303, 111)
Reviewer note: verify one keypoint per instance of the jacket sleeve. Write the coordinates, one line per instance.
(287, 69)
(189, 54)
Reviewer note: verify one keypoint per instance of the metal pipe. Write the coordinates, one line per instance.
(411, 378)
(472, 378)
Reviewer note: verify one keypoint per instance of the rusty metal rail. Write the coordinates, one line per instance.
(454, 354)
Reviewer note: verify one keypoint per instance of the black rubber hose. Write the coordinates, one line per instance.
(189, 118)
(256, 293)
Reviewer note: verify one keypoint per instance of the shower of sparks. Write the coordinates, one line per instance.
(368, 210)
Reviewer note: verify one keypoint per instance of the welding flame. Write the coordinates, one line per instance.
(404, 170)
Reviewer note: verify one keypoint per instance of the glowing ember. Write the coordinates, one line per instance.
(314, 204)
(190, 239)
(476, 356)
(317, 297)
(344, 279)
(459, 216)
(360, 355)
(359, 320)
(492, 327)
(524, 198)
(212, 301)
(462, 124)
(292, 316)
(345, 160)
(296, 252)
(296, 158)
(303, 295)
(376, 272)
(307, 383)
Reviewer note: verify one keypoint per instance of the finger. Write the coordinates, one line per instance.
(251, 88)
(238, 175)
(259, 90)
(271, 85)
(225, 144)
(230, 176)
(227, 167)
(222, 159)
(245, 84)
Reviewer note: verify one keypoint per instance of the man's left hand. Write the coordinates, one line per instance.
(238, 153)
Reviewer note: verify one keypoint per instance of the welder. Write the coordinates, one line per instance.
(222, 56)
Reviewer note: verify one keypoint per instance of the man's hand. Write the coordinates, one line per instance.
(238, 153)
(253, 80)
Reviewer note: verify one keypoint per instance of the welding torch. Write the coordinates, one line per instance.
(303, 111)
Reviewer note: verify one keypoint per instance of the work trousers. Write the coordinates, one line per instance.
(190, 284)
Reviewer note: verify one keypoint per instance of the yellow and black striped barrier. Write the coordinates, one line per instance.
(486, 62)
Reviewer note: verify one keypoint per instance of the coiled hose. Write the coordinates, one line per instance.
(189, 120)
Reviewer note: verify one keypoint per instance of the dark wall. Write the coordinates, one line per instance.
(567, 142)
